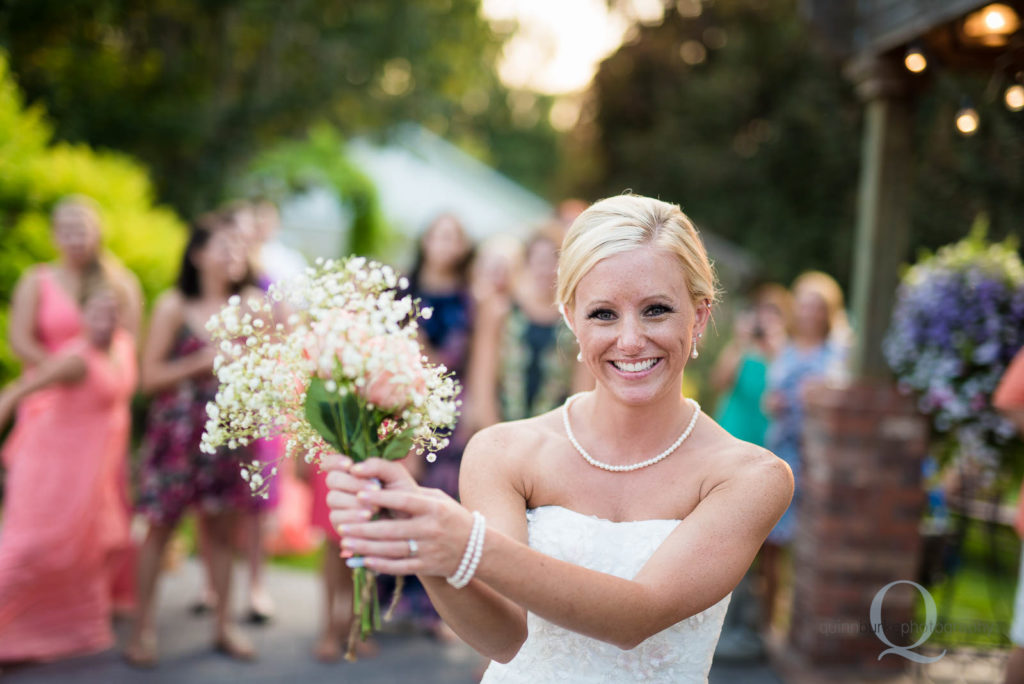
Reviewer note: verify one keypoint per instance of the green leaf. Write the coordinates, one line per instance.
(322, 412)
(398, 446)
(353, 413)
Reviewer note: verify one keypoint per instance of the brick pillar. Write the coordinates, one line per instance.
(858, 523)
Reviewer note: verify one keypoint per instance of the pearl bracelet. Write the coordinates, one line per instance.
(471, 557)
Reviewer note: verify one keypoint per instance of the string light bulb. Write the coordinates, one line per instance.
(1014, 97)
(992, 25)
(967, 119)
(914, 60)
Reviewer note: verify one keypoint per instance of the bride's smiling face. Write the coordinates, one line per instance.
(635, 321)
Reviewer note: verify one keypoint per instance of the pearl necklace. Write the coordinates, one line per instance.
(635, 466)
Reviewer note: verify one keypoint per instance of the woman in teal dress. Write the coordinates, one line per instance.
(741, 372)
(740, 376)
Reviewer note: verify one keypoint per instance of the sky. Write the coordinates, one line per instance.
(559, 43)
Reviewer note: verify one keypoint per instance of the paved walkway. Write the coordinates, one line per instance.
(284, 647)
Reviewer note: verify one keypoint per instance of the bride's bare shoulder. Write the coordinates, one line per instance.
(744, 465)
(515, 441)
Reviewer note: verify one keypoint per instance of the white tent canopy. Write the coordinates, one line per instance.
(418, 176)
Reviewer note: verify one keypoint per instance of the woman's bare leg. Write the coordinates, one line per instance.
(768, 570)
(329, 646)
(141, 647)
(220, 529)
(261, 606)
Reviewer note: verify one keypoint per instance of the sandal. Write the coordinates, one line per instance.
(328, 649)
(141, 653)
(234, 646)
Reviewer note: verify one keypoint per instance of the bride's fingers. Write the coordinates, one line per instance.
(383, 529)
(342, 481)
(380, 549)
(342, 501)
(346, 516)
(410, 502)
(391, 474)
(335, 462)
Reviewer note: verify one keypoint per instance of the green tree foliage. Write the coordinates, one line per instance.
(294, 166)
(35, 174)
(959, 178)
(194, 89)
(755, 137)
(738, 115)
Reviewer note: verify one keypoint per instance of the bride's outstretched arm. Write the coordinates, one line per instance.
(699, 563)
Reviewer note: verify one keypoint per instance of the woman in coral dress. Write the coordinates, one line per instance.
(46, 314)
(62, 517)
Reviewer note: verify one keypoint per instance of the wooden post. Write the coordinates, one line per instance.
(883, 208)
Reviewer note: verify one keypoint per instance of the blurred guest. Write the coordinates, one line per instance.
(523, 360)
(815, 351)
(46, 315)
(62, 510)
(497, 261)
(439, 278)
(337, 582)
(276, 261)
(177, 367)
(45, 307)
(740, 374)
(253, 224)
(1009, 399)
(568, 209)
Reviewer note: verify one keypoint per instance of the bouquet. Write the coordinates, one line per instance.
(956, 325)
(344, 372)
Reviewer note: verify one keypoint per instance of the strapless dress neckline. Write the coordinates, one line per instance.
(600, 519)
(681, 653)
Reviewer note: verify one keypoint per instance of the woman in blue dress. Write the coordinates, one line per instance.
(816, 351)
(439, 278)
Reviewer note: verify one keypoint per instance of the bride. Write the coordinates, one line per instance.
(598, 542)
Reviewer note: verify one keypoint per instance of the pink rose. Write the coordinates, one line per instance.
(391, 388)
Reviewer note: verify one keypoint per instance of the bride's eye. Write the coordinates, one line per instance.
(601, 315)
(659, 310)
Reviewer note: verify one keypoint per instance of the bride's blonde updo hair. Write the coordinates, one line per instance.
(619, 224)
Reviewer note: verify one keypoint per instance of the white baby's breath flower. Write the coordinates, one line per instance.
(265, 365)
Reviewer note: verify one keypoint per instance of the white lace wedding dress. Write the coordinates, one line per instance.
(680, 654)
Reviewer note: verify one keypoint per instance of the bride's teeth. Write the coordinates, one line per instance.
(635, 367)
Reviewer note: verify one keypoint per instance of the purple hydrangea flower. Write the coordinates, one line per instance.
(957, 323)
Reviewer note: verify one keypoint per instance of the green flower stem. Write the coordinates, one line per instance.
(339, 426)
(366, 610)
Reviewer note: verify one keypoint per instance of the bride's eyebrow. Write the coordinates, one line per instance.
(659, 297)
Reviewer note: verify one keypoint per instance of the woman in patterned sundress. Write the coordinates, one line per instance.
(177, 368)
(523, 360)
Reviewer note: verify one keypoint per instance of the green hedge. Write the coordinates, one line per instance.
(36, 172)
